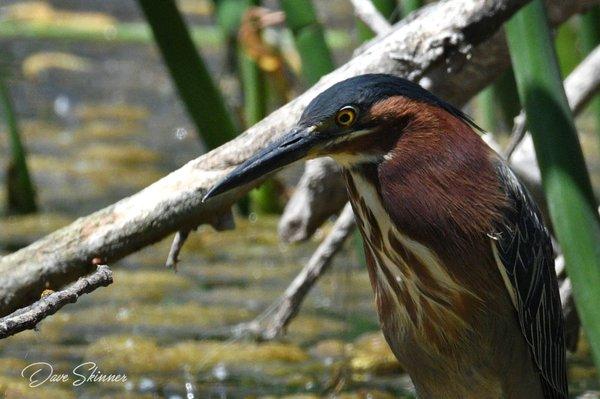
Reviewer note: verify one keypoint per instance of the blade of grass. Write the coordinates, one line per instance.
(499, 99)
(264, 199)
(199, 93)
(309, 39)
(507, 96)
(21, 193)
(566, 182)
(229, 15)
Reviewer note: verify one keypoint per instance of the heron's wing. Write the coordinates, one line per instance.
(526, 261)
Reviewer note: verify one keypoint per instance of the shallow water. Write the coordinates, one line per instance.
(104, 130)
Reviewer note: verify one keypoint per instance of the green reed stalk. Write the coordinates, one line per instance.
(500, 99)
(21, 193)
(199, 93)
(264, 199)
(571, 202)
(229, 15)
(309, 39)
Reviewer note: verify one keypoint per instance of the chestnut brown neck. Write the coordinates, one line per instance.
(439, 185)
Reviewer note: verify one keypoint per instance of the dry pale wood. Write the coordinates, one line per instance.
(366, 11)
(582, 84)
(173, 256)
(28, 318)
(451, 34)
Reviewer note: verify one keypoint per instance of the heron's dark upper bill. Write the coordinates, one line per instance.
(291, 147)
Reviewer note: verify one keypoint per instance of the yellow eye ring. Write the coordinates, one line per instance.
(346, 116)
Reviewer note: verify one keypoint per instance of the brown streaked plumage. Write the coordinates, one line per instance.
(458, 257)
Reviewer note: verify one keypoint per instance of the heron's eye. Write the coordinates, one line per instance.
(346, 116)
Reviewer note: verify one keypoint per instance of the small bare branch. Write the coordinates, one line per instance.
(366, 11)
(572, 322)
(221, 221)
(583, 83)
(178, 241)
(27, 318)
(518, 133)
(275, 319)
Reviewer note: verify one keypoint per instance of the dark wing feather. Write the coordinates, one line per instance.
(525, 250)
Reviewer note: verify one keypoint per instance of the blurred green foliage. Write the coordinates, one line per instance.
(301, 18)
(199, 93)
(590, 38)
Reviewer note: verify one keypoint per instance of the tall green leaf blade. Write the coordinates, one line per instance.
(21, 193)
(199, 93)
(566, 182)
(309, 39)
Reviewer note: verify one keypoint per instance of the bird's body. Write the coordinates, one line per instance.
(443, 305)
(458, 256)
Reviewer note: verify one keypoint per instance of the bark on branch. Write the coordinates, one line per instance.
(449, 39)
(28, 318)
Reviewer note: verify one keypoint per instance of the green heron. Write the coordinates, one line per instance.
(458, 255)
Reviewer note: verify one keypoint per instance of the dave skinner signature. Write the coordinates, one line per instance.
(42, 372)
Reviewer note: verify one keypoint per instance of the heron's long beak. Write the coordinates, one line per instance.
(291, 147)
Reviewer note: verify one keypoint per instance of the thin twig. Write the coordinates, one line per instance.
(276, 318)
(221, 221)
(366, 11)
(572, 322)
(27, 318)
(518, 133)
(178, 241)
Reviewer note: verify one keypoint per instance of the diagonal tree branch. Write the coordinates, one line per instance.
(449, 38)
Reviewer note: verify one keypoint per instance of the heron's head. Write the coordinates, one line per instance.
(355, 121)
